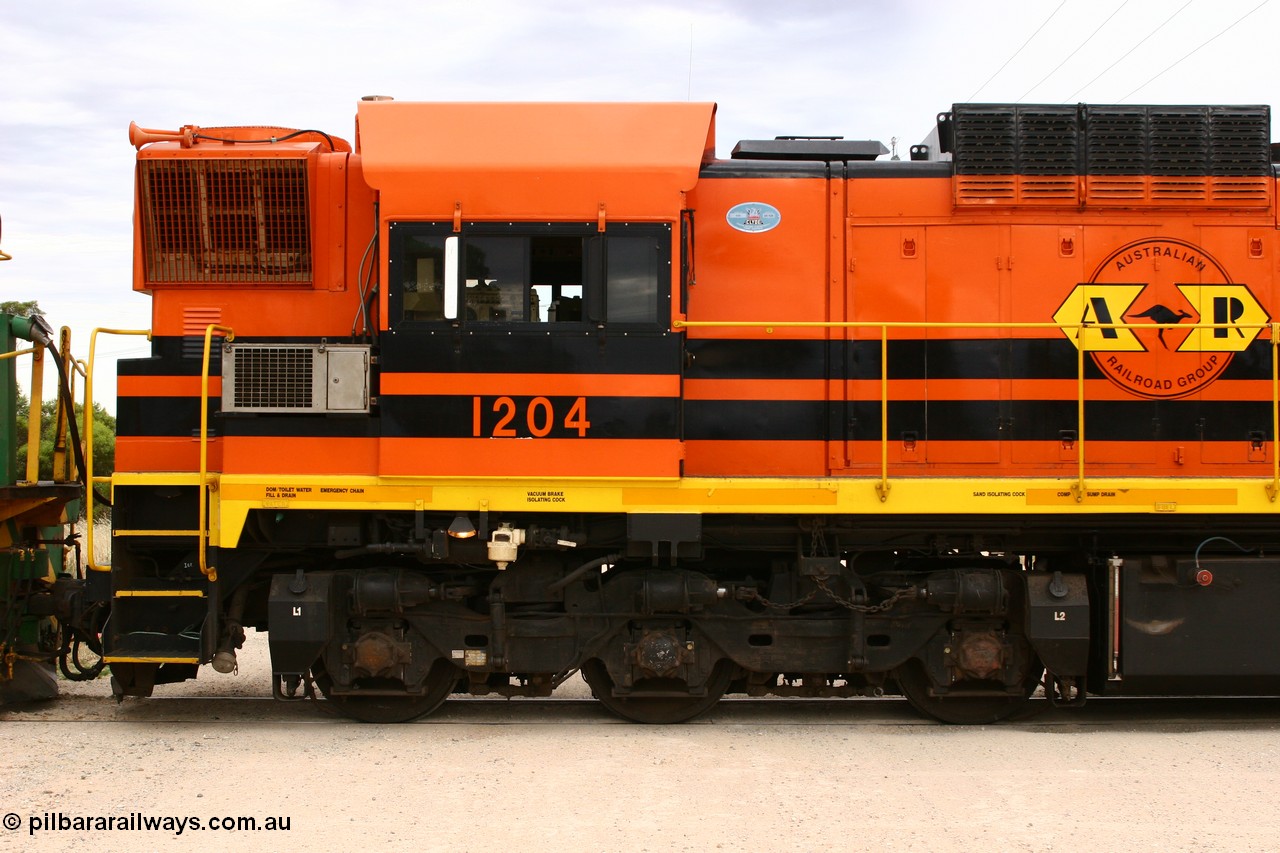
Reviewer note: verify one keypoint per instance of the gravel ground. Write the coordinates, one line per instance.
(493, 774)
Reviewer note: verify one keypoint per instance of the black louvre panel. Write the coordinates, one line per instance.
(1116, 140)
(985, 139)
(1176, 141)
(1240, 138)
(1048, 141)
(1179, 141)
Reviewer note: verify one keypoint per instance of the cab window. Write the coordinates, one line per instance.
(553, 274)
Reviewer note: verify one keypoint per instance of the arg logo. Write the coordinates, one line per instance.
(1161, 288)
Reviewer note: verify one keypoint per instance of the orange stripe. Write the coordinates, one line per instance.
(950, 389)
(755, 458)
(446, 457)
(165, 386)
(149, 453)
(542, 457)
(482, 457)
(716, 458)
(544, 384)
(1232, 390)
(264, 454)
(756, 389)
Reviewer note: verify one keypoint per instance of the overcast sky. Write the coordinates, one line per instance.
(76, 73)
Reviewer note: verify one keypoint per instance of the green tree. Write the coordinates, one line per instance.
(104, 425)
(104, 436)
(20, 309)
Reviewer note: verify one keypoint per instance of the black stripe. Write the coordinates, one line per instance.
(1189, 421)
(300, 425)
(163, 416)
(764, 420)
(455, 351)
(533, 351)
(1019, 358)
(173, 355)
(735, 359)
(717, 358)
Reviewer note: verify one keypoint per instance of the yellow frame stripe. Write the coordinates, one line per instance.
(238, 494)
(135, 659)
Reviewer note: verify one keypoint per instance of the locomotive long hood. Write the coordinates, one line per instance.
(553, 160)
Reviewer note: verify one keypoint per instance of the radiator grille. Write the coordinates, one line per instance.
(225, 220)
(1011, 154)
(274, 378)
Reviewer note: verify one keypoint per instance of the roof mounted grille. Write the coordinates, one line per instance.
(1199, 155)
(225, 220)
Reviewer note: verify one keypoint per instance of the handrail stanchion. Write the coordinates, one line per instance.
(87, 438)
(64, 469)
(1273, 488)
(203, 526)
(1079, 487)
(35, 414)
(883, 488)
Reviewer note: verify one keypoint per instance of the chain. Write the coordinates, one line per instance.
(821, 582)
(887, 604)
(774, 605)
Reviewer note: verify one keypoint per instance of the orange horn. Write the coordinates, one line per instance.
(140, 136)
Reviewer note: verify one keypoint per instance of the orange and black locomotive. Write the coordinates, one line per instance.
(504, 392)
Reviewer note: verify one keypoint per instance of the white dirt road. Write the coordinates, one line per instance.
(562, 775)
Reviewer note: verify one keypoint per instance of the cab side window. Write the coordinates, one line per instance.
(421, 278)
(554, 274)
(632, 266)
(496, 279)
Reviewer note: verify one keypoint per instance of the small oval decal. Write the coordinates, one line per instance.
(754, 217)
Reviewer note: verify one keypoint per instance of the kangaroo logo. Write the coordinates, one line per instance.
(1161, 291)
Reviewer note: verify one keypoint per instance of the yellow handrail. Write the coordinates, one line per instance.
(211, 572)
(64, 466)
(883, 485)
(1273, 490)
(62, 471)
(87, 438)
(883, 488)
(35, 415)
(34, 410)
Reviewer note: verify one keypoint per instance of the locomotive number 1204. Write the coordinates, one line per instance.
(499, 417)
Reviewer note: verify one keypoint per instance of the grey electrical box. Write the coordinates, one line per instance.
(295, 378)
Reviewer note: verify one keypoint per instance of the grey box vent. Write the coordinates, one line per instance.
(295, 378)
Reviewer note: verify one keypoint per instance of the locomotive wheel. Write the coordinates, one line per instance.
(656, 709)
(963, 710)
(440, 682)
